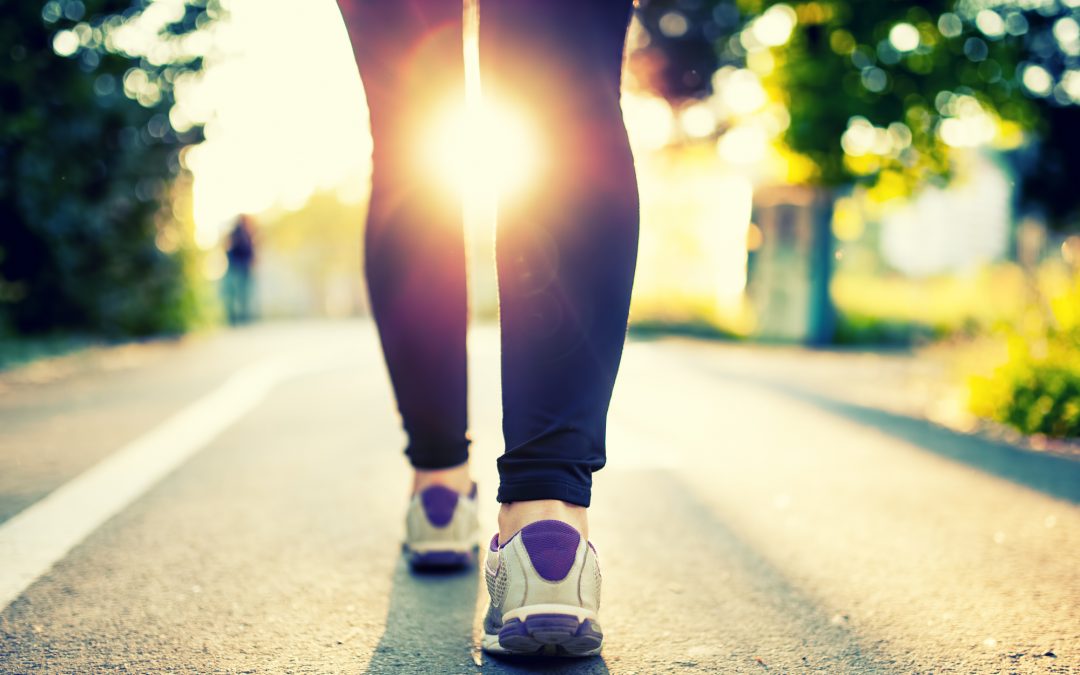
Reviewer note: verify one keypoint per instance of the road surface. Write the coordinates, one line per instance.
(752, 518)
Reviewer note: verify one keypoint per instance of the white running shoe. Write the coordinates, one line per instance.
(545, 593)
(441, 529)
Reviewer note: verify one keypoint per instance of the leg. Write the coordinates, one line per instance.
(410, 57)
(244, 294)
(566, 248)
(230, 292)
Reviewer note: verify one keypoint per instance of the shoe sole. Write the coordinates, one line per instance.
(546, 635)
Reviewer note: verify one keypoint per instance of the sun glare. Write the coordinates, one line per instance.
(482, 145)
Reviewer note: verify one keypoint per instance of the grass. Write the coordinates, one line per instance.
(899, 310)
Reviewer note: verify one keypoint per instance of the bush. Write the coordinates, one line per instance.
(1037, 390)
(88, 240)
(1036, 396)
(857, 329)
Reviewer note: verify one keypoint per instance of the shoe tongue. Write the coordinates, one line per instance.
(552, 547)
(439, 503)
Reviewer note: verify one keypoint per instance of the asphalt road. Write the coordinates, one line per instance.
(751, 519)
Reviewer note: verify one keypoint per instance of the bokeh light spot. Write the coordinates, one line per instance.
(774, 27)
(674, 24)
(990, 23)
(698, 120)
(1037, 80)
(1067, 33)
(904, 37)
(743, 145)
(65, 42)
(949, 25)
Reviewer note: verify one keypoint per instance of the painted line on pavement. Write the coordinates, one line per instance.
(41, 535)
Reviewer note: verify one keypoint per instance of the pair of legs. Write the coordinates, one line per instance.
(566, 244)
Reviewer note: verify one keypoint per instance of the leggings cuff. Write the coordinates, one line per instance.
(430, 458)
(532, 491)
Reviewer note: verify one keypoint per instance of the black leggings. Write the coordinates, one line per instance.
(566, 244)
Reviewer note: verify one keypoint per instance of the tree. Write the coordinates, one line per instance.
(681, 54)
(88, 155)
(879, 93)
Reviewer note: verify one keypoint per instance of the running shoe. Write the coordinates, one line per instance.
(441, 528)
(545, 593)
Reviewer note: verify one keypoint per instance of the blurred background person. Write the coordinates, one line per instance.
(237, 287)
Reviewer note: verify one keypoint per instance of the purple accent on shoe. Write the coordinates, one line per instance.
(552, 546)
(494, 545)
(439, 503)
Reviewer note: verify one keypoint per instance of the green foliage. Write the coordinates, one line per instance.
(1037, 389)
(860, 329)
(1035, 394)
(700, 329)
(879, 92)
(86, 171)
(18, 351)
(841, 63)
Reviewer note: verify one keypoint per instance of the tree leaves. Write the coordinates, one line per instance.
(85, 170)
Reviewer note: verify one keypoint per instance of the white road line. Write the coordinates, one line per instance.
(40, 536)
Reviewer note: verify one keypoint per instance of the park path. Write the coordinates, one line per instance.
(752, 518)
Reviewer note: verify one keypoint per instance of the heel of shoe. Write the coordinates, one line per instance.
(440, 530)
(545, 590)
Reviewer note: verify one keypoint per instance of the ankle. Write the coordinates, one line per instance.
(457, 478)
(516, 515)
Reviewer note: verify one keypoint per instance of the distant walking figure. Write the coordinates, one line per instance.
(566, 251)
(240, 251)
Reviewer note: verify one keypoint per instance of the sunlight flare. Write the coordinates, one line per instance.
(482, 144)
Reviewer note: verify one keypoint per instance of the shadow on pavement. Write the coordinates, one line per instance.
(429, 624)
(1050, 474)
(506, 664)
(1053, 475)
